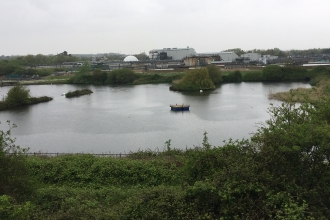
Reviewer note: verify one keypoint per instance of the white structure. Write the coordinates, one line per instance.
(252, 56)
(171, 53)
(130, 59)
(225, 56)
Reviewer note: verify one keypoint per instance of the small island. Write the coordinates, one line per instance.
(78, 92)
(19, 96)
(198, 79)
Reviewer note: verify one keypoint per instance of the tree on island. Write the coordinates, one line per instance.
(20, 96)
(198, 79)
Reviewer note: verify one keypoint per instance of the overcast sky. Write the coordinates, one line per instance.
(134, 26)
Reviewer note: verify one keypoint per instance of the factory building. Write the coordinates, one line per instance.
(252, 56)
(171, 53)
(200, 60)
(225, 56)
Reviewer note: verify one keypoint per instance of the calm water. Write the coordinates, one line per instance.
(127, 118)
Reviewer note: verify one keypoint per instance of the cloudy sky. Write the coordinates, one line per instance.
(134, 26)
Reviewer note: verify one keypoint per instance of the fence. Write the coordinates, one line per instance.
(120, 155)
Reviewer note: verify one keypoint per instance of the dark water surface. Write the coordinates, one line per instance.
(119, 119)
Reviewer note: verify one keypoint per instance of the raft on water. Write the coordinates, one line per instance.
(183, 107)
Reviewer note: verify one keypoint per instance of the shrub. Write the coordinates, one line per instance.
(17, 95)
(292, 73)
(253, 76)
(235, 76)
(14, 172)
(99, 76)
(272, 73)
(121, 76)
(215, 74)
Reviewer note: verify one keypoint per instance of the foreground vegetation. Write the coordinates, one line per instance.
(281, 172)
(19, 96)
(78, 92)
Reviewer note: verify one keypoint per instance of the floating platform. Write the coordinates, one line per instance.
(183, 107)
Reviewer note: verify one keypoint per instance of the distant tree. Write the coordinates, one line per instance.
(30, 60)
(85, 67)
(238, 51)
(142, 56)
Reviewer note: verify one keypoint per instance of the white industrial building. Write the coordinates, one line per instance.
(252, 56)
(171, 53)
(225, 56)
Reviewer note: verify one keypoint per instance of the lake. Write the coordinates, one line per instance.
(120, 119)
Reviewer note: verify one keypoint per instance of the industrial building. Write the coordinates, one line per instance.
(171, 53)
(225, 56)
(201, 60)
(252, 56)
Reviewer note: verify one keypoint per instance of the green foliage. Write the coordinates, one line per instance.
(157, 78)
(215, 74)
(194, 80)
(99, 76)
(320, 69)
(15, 180)
(17, 96)
(121, 76)
(272, 73)
(253, 76)
(235, 76)
(9, 210)
(90, 171)
(293, 73)
(85, 68)
(78, 92)
(10, 67)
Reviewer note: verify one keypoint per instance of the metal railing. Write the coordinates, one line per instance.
(120, 155)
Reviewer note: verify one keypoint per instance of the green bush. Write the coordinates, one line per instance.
(99, 76)
(272, 73)
(215, 74)
(15, 180)
(9, 210)
(17, 96)
(235, 76)
(121, 76)
(253, 76)
(292, 73)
